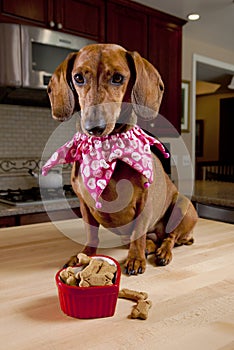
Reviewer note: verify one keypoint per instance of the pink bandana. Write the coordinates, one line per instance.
(98, 157)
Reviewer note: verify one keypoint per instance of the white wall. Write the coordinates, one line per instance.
(191, 47)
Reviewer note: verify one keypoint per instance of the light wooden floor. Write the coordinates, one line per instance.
(193, 297)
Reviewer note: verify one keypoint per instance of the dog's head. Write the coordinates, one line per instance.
(97, 81)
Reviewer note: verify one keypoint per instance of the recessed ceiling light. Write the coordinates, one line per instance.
(193, 16)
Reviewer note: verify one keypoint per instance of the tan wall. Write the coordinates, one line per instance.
(207, 109)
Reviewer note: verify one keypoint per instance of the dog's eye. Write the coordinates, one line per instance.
(79, 79)
(117, 79)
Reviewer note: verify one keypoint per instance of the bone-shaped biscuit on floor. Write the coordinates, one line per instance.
(141, 309)
(132, 294)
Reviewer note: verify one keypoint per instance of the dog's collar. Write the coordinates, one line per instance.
(98, 157)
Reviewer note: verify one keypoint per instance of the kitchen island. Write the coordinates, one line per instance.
(192, 297)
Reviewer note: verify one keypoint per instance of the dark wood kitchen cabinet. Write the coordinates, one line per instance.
(79, 17)
(158, 38)
(165, 53)
(127, 26)
(34, 11)
(35, 218)
(8, 221)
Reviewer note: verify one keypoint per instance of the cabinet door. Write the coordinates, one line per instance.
(83, 17)
(34, 218)
(7, 221)
(25, 10)
(127, 26)
(165, 54)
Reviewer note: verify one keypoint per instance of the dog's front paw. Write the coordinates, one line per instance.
(163, 256)
(135, 265)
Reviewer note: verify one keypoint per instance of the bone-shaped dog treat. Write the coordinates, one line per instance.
(72, 281)
(68, 276)
(83, 259)
(106, 267)
(97, 280)
(141, 309)
(132, 294)
(93, 267)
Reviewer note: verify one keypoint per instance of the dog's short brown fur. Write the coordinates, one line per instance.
(97, 76)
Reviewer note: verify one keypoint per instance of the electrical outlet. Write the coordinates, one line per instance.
(186, 160)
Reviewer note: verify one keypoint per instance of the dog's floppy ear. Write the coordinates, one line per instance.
(148, 88)
(62, 94)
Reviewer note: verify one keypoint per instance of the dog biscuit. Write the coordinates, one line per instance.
(141, 309)
(83, 259)
(132, 294)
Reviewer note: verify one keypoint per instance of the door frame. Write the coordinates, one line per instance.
(212, 62)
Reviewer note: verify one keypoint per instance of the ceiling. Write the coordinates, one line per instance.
(216, 23)
(214, 74)
(215, 26)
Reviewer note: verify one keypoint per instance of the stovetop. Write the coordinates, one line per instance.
(35, 195)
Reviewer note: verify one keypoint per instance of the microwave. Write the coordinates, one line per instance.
(29, 55)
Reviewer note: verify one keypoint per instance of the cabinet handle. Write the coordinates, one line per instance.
(52, 24)
(59, 26)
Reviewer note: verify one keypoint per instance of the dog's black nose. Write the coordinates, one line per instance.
(97, 130)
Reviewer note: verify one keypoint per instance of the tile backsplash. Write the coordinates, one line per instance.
(25, 134)
(24, 131)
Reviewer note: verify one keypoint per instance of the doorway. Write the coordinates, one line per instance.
(214, 71)
(226, 130)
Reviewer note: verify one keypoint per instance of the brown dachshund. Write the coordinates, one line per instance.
(111, 87)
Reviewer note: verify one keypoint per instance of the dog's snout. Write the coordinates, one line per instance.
(95, 130)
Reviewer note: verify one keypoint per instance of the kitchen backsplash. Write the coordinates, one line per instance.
(25, 133)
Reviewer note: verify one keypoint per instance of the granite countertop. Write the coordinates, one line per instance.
(205, 192)
(10, 210)
(214, 192)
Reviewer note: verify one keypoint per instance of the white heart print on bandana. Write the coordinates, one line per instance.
(101, 184)
(91, 183)
(136, 156)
